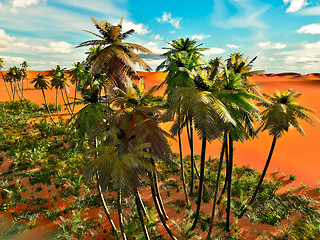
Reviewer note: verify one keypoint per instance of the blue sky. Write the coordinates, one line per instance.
(284, 34)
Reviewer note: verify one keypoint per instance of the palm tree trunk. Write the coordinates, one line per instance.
(65, 103)
(5, 83)
(75, 96)
(106, 210)
(155, 181)
(202, 165)
(262, 176)
(192, 163)
(182, 168)
(226, 180)
(69, 105)
(17, 90)
(140, 213)
(229, 182)
(12, 91)
(155, 200)
(216, 188)
(45, 100)
(143, 207)
(120, 216)
(57, 102)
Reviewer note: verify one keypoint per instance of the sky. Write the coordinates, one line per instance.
(283, 34)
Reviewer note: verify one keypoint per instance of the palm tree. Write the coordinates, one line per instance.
(184, 55)
(59, 81)
(42, 83)
(24, 65)
(281, 114)
(3, 77)
(116, 58)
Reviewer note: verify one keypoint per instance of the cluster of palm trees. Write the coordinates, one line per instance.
(14, 80)
(213, 99)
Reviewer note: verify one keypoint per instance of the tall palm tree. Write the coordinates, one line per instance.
(117, 58)
(182, 56)
(59, 81)
(42, 83)
(24, 65)
(281, 114)
(3, 78)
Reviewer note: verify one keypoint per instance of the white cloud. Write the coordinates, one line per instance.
(305, 60)
(167, 18)
(154, 47)
(172, 32)
(200, 36)
(153, 63)
(5, 39)
(24, 3)
(212, 51)
(310, 11)
(271, 59)
(270, 45)
(139, 28)
(313, 45)
(12, 60)
(295, 5)
(20, 45)
(55, 47)
(157, 37)
(232, 46)
(311, 28)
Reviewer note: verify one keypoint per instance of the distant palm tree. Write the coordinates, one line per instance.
(3, 78)
(116, 58)
(24, 65)
(42, 83)
(281, 114)
(59, 81)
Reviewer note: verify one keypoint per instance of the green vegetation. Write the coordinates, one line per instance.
(112, 151)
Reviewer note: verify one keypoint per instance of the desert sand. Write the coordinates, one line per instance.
(294, 154)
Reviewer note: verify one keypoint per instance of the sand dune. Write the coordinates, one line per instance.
(294, 154)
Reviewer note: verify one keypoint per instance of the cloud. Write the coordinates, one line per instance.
(5, 39)
(12, 60)
(313, 45)
(295, 5)
(167, 18)
(200, 36)
(157, 37)
(213, 51)
(139, 28)
(270, 45)
(305, 60)
(154, 47)
(311, 11)
(55, 47)
(311, 29)
(20, 45)
(24, 3)
(232, 46)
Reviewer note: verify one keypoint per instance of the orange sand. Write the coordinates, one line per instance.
(293, 154)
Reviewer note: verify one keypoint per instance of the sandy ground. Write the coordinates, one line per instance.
(294, 154)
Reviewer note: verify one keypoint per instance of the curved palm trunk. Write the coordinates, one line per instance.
(65, 103)
(106, 210)
(262, 176)
(20, 89)
(202, 165)
(216, 189)
(13, 92)
(192, 163)
(229, 182)
(226, 179)
(120, 215)
(45, 100)
(5, 83)
(57, 102)
(75, 96)
(140, 213)
(182, 169)
(17, 90)
(67, 97)
(155, 200)
(155, 182)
